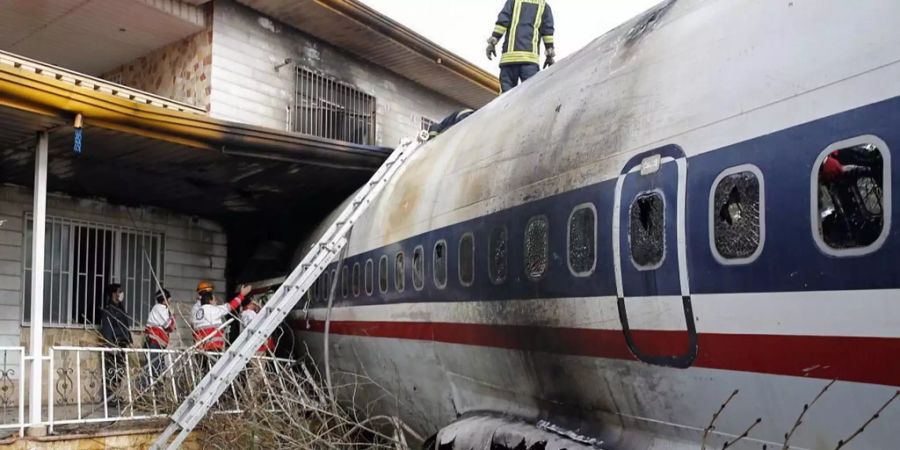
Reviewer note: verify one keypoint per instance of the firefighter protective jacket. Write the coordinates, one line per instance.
(524, 22)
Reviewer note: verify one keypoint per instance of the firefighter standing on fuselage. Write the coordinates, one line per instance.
(524, 22)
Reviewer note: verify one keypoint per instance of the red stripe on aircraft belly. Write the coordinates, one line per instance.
(859, 359)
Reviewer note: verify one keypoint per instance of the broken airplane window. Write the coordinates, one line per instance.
(344, 282)
(418, 268)
(498, 258)
(851, 196)
(582, 246)
(646, 231)
(736, 218)
(355, 281)
(537, 247)
(369, 277)
(440, 264)
(399, 274)
(467, 259)
(383, 274)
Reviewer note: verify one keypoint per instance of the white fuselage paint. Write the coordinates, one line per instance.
(705, 75)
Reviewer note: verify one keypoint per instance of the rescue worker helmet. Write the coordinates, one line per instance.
(205, 286)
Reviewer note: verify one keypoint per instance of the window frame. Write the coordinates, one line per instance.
(576, 208)
(459, 271)
(886, 198)
(420, 249)
(734, 170)
(354, 279)
(369, 272)
(490, 255)
(547, 247)
(665, 223)
(434, 272)
(400, 287)
(383, 262)
(345, 281)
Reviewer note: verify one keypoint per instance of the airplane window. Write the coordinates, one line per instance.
(537, 247)
(355, 281)
(369, 277)
(383, 274)
(467, 259)
(399, 275)
(582, 243)
(440, 264)
(498, 258)
(646, 232)
(344, 282)
(736, 219)
(851, 201)
(418, 268)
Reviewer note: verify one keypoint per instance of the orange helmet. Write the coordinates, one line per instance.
(205, 286)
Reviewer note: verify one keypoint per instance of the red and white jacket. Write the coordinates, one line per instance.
(247, 316)
(160, 323)
(207, 320)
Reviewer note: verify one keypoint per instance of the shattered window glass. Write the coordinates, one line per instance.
(582, 240)
(440, 264)
(467, 259)
(537, 247)
(736, 219)
(344, 282)
(851, 201)
(399, 274)
(369, 277)
(646, 232)
(418, 268)
(383, 274)
(355, 282)
(498, 258)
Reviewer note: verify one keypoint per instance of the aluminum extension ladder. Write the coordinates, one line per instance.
(233, 361)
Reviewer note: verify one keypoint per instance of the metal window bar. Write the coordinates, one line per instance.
(83, 258)
(331, 109)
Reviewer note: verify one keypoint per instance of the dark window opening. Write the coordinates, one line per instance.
(369, 277)
(383, 274)
(497, 264)
(344, 282)
(736, 215)
(582, 240)
(851, 203)
(355, 282)
(646, 231)
(467, 259)
(537, 247)
(418, 268)
(440, 264)
(399, 274)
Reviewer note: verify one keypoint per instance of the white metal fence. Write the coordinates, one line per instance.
(103, 385)
(81, 259)
(12, 389)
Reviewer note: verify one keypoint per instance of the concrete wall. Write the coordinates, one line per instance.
(246, 46)
(194, 250)
(179, 71)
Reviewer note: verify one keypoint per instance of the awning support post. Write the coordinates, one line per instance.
(37, 284)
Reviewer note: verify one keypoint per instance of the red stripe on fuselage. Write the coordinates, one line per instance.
(860, 359)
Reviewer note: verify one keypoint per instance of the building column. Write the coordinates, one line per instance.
(37, 284)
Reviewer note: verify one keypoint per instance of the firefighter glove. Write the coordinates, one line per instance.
(551, 58)
(491, 50)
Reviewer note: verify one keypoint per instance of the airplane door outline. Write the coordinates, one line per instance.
(653, 166)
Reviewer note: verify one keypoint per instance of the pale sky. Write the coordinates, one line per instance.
(463, 26)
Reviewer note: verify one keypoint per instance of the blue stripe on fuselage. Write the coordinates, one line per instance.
(790, 261)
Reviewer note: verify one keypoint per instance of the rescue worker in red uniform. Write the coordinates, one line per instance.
(247, 315)
(523, 22)
(208, 318)
(160, 323)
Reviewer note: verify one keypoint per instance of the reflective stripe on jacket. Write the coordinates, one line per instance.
(524, 22)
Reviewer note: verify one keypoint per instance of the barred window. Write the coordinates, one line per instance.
(332, 109)
(497, 264)
(537, 247)
(399, 273)
(467, 259)
(736, 215)
(81, 259)
(582, 240)
(383, 274)
(646, 231)
(439, 261)
(418, 268)
(426, 123)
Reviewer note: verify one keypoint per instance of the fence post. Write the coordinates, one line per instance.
(50, 399)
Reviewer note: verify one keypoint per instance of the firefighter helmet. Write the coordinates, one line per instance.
(205, 286)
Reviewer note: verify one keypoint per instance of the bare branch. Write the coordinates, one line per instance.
(789, 434)
(860, 430)
(715, 416)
